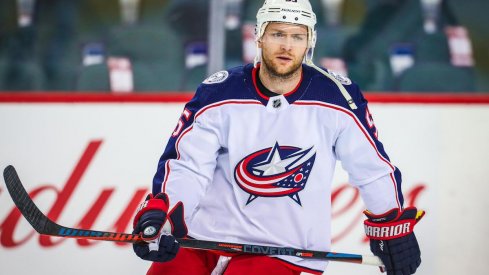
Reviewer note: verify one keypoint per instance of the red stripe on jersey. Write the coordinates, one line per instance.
(232, 101)
(253, 78)
(178, 156)
(364, 131)
(180, 138)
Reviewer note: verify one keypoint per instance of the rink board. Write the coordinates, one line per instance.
(89, 162)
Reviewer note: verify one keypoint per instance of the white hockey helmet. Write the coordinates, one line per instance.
(287, 11)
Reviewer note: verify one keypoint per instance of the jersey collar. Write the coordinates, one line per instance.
(290, 96)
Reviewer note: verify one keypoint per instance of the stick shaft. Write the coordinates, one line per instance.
(43, 225)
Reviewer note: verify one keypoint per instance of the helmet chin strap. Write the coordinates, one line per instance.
(308, 56)
(258, 36)
(257, 56)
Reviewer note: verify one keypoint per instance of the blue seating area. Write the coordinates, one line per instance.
(66, 45)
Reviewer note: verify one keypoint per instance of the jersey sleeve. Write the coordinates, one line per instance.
(187, 165)
(363, 156)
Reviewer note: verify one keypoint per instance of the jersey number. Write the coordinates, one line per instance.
(370, 122)
(185, 115)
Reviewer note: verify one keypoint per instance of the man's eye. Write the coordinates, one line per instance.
(277, 34)
(298, 37)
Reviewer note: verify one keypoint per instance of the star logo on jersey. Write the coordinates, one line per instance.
(277, 171)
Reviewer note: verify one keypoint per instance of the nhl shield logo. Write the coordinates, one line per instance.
(277, 103)
(277, 171)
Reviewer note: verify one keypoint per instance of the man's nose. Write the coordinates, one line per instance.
(287, 44)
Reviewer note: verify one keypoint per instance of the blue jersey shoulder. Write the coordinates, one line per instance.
(223, 85)
(325, 86)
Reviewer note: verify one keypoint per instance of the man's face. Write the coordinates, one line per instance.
(283, 48)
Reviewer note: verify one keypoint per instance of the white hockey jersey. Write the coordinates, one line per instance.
(254, 169)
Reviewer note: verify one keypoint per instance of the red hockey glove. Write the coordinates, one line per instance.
(392, 239)
(150, 221)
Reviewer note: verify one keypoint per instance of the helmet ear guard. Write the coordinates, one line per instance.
(287, 11)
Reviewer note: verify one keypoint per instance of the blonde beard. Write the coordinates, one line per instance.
(271, 69)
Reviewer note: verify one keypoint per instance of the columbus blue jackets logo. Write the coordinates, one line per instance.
(277, 171)
(341, 78)
(217, 77)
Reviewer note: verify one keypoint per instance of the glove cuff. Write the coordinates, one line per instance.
(393, 224)
(177, 221)
(159, 202)
(389, 230)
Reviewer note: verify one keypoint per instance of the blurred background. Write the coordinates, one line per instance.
(106, 145)
(171, 45)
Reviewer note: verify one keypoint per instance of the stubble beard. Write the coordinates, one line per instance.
(273, 70)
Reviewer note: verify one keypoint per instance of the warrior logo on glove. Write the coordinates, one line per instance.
(392, 239)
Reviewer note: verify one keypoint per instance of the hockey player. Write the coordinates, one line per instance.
(251, 160)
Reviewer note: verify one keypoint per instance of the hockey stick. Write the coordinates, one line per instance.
(43, 225)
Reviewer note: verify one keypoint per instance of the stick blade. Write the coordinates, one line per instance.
(24, 203)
